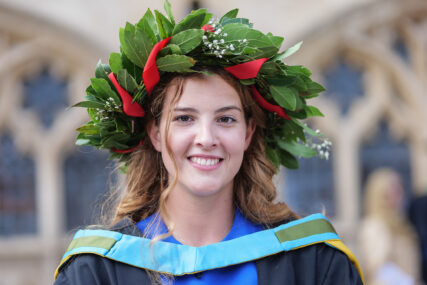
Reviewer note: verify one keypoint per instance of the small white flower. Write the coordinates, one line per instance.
(205, 38)
(231, 47)
(222, 41)
(215, 42)
(245, 40)
(225, 34)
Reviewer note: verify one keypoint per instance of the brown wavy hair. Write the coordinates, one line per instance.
(145, 188)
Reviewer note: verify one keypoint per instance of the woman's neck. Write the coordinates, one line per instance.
(199, 220)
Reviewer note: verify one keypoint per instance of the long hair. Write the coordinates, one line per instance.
(146, 186)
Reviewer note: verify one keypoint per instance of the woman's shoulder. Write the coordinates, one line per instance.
(313, 251)
(95, 269)
(314, 264)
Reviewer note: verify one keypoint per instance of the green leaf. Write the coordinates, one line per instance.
(289, 51)
(247, 81)
(270, 68)
(103, 89)
(168, 10)
(284, 96)
(102, 70)
(229, 15)
(148, 25)
(88, 129)
(314, 87)
(298, 70)
(169, 49)
(115, 141)
(115, 62)
(238, 21)
(307, 129)
(312, 111)
(264, 52)
(126, 81)
(296, 149)
(254, 38)
(292, 131)
(272, 155)
(165, 27)
(192, 21)
(188, 40)
(90, 104)
(136, 44)
(287, 159)
(276, 40)
(208, 16)
(133, 69)
(175, 63)
(80, 142)
(281, 80)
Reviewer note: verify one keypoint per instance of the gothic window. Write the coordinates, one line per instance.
(45, 95)
(383, 150)
(17, 190)
(343, 83)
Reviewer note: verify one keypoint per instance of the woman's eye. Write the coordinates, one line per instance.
(226, 120)
(183, 118)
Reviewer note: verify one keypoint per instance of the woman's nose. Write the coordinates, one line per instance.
(205, 136)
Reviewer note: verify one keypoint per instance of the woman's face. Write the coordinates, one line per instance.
(208, 136)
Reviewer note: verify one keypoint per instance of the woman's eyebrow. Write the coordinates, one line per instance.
(193, 110)
(227, 108)
(185, 109)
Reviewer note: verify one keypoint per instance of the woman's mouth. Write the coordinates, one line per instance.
(207, 163)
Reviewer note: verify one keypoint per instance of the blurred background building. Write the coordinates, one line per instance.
(371, 56)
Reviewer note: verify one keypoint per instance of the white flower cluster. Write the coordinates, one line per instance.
(323, 148)
(111, 106)
(214, 42)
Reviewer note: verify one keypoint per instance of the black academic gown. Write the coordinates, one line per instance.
(315, 264)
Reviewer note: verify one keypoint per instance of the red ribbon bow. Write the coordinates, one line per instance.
(250, 70)
(151, 74)
(130, 109)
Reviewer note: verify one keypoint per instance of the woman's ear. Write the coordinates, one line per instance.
(249, 132)
(153, 132)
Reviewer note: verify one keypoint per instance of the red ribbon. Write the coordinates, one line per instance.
(250, 70)
(246, 70)
(130, 109)
(127, 150)
(267, 106)
(151, 74)
(208, 28)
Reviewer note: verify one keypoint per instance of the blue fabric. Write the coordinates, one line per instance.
(244, 273)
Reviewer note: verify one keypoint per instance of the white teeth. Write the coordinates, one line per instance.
(204, 161)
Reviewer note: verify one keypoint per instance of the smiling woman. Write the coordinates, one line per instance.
(199, 143)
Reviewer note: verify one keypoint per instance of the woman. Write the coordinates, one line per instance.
(396, 259)
(198, 205)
